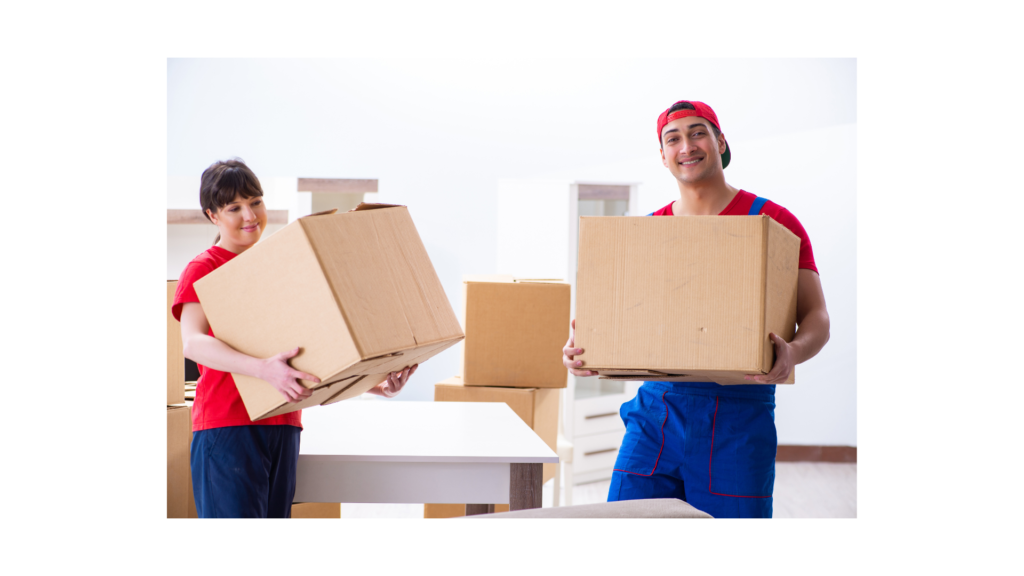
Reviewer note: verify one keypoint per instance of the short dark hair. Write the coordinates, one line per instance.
(223, 181)
(687, 106)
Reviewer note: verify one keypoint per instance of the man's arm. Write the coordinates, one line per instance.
(811, 335)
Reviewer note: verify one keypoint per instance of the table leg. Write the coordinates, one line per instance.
(525, 486)
(474, 509)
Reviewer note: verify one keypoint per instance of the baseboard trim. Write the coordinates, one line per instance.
(796, 453)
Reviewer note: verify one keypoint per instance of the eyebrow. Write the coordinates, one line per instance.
(695, 125)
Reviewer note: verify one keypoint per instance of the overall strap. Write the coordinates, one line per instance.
(755, 208)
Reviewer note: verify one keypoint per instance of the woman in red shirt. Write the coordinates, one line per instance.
(240, 468)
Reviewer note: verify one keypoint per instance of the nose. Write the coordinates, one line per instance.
(249, 214)
(686, 145)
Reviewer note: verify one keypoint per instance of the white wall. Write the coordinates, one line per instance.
(534, 213)
(440, 134)
(823, 406)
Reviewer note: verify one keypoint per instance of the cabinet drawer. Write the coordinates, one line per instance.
(597, 415)
(597, 451)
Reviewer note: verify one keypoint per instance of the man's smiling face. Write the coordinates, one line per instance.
(690, 150)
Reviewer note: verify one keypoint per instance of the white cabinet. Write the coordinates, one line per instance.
(597, 428)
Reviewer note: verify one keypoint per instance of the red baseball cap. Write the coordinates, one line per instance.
(699, 109)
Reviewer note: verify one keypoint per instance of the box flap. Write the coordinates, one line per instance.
(541, 280)
(718, 377)
(374, 206)
(321, 213)
(621, 372)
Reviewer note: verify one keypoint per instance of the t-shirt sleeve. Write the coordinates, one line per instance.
(786, 218)
(664, 211)
(185, 292)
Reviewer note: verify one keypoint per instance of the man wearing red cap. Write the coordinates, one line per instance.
(712, 445)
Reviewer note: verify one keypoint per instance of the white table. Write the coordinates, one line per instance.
(420, 452)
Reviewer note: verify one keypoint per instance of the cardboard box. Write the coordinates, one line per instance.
(316, 510)
(688, 298)
(356, 291)
(453, 510)
(538, 407)
(179, 476)
(515, 331)
(175, 355)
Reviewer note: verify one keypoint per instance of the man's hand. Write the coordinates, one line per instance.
(783, 363)
(284, 378)
(395, 382)
(570, 351)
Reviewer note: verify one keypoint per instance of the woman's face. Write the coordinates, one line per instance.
(241, 222)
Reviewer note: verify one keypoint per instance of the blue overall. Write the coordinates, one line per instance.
(707, 444)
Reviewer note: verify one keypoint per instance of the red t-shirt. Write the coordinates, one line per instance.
(217, 402)
(740, 206)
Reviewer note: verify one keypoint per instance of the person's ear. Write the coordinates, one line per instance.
(212, 215)
(721, 143)
(663, 161)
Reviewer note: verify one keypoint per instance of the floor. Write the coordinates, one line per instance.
(802, 490)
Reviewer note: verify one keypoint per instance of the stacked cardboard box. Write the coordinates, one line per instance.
(180, 503)
(175, 355)
(691, 298)
(515, 330)
(316, 510)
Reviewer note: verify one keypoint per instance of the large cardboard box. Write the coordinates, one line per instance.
(684, 298)
(175, 355)
(515, 331)
(356, 291)
(538, 407)
(179, 481)
(316, 510)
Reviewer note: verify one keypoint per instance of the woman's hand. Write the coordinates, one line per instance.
(570, 351)
(395, 382)
(284, 378)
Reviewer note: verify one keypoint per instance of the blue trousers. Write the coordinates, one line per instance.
(712, 446)
(245, 471)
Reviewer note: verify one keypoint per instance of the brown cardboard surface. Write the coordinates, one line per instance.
(175, 354)
(690, 297)
(179, 435)
(356, 291)
(453, 510)
(316, 510)
(515, 330)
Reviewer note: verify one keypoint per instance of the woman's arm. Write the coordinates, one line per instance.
(204, 349)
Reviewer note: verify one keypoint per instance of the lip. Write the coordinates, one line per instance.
(252, 228)
(694, 160)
